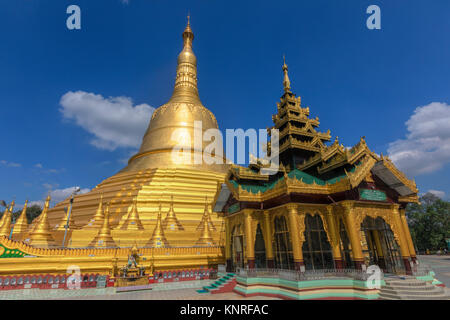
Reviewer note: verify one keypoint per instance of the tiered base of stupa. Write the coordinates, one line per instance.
(185, 190)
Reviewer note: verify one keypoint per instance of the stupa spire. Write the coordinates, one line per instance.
(97, 221)
(206, 216)
(104, 238)
(185, 89)
(21, 225)
(3, 219)
(5, 223)
(41, 235)
(158, 239)
(286, 81)
(171, 220)
(133, 222)
(205, 237)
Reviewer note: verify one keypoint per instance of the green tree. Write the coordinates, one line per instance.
(32, 212)
(429, 222)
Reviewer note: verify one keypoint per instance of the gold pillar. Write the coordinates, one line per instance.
(407, 232)
(334, 237)
(227, 239)
(401, 238)
(250, 250)
(294, 233)
(268, 240)
(376, 237)
(353, 231)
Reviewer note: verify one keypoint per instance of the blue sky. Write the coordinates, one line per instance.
(357, 81)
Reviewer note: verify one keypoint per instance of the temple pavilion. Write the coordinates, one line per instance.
(327, 206)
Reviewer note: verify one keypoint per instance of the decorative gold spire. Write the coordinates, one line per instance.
(173, 123)
(205, 238)
(206, 216)
(158, 239)
(104, 238)
(286, 81)
(40, 235)
(185, 89)
(21, 225)
(5, 223)
(97, 221)
(133, 222)
(171, 220)
(5, 214)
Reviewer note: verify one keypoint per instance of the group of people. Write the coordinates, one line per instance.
(439, 252)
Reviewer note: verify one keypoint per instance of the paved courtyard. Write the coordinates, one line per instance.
(440, 265)
(185, 290)
(176, 294)
(168, 291)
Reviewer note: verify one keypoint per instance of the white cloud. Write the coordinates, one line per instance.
(427, 144)
(39, 203)
(55, 170)
(50, 186)
(113, 121)
(59, 195)
(56, 196)
(437, 193)
(10, 164)
(38, 165)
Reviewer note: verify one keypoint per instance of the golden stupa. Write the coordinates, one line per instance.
(154, 177)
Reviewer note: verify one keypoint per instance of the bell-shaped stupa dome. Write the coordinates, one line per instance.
(172, 124)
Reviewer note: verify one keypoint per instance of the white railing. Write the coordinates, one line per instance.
(420, 270)
(295, 275)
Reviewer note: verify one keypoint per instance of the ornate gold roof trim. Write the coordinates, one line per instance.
(411, 184)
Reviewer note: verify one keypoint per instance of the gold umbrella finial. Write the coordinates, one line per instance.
(286, 81)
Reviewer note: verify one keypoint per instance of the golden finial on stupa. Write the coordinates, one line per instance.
(179, 114)
(171, 220)
(158, 238)
(185, 89)
(5, 223)
(286, 81)
(133, 222)
(104, 238)
(40, 235)
(21, 225)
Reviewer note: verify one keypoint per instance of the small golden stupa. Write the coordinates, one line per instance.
(5, 222)
(158, 239)
(41, 234)
(21, 225)
(104, 238)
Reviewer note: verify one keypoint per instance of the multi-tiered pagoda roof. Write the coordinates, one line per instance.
(311, 169)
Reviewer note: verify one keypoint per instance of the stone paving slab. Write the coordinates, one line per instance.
(183, 290)
(440, 265)
(177, 294)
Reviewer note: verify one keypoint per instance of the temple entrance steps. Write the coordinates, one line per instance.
(410, 288)
(224, 284)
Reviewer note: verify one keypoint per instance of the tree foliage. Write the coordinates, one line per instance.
(429, 222)
(32, 212)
